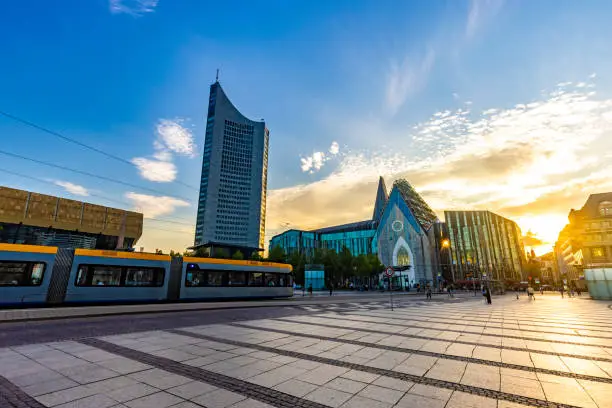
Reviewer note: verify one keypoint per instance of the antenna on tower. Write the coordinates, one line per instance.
(217, 79)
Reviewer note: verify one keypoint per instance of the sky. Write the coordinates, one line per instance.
(480, 104)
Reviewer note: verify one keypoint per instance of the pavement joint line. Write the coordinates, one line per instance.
(470, 343)
(462, 318)
(434, 354)
(250, 390)
(151, 309)
(509, 336)
(485, 392)
(11, 396)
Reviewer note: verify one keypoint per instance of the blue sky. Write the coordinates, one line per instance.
(521, 91)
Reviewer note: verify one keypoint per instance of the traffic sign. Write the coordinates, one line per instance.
(389, 272)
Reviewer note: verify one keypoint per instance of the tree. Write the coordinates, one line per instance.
(256, 256)
(238, 256)
(277, 254)
(298, 262)
(346, 261)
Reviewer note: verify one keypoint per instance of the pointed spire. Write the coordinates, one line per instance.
(381, 199)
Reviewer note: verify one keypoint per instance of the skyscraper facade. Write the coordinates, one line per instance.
(233, 186)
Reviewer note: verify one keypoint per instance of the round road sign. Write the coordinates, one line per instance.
(389, 272)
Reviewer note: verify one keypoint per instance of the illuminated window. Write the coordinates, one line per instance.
(597, 252)
(605, 208)
(403, 258)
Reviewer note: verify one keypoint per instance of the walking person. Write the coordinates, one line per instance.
(561, 290)
(331, 288)
(428, 293)
(310, 289)
(516, 290)
(530, 292)
(488, 295)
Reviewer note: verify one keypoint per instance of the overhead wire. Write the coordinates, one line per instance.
(81, 144)
(169, 220)
(57, 166)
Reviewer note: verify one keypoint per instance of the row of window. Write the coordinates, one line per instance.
(14, 273)
(201, 278)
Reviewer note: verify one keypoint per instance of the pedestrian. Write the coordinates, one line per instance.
(530, 293)
(428, 292)
(561, 290)
(488, 295)
(541, 290)
(448, 289)
(303, 289)
(310, 289)
(579, 291)
(516, 290)
(331, 288)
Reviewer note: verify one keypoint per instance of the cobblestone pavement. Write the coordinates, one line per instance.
(549, 353)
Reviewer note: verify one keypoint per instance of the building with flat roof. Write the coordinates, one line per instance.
(233, 185)
(485, 246)
(40, 219)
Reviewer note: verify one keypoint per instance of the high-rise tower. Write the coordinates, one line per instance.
(232, 202)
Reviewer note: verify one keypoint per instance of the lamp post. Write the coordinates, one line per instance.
(446, 245)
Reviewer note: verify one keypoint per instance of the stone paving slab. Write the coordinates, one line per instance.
(305, 362)
(49, 313)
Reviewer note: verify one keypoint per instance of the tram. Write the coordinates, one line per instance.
(31, 274)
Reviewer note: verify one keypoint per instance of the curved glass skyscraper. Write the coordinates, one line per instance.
(232, 202)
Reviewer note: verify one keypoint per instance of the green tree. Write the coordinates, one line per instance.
(331, 263)
(298, 262)
(238, 256)
(347, 262)
(277, 254)
(256, 256)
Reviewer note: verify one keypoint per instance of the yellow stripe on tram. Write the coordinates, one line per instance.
(121, 254)
(28, 248)
(191, 259)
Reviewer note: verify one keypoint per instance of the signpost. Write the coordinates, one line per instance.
(389, 272)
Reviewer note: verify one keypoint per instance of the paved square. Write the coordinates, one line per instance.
(550, 353)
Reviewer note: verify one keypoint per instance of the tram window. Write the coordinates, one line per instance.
(237, 278)
(21, 273)
(215, 278)
(144, 277)
(255, 279)
(98, 275)
(196, 278)
(271, 279)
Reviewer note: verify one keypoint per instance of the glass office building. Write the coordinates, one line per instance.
(233, 185)
(484, 246)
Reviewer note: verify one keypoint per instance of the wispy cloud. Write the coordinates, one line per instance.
(406, 78)
(316, 160)
(72, 188)
(132, 7)
(479, 13)
(172, 137)
(155, 206)
(532, 161)
(176, 137)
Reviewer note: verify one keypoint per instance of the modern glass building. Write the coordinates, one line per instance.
(484, 246)
(233, 186)
(400, 232)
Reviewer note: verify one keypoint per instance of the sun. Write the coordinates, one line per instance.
(545, 227)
